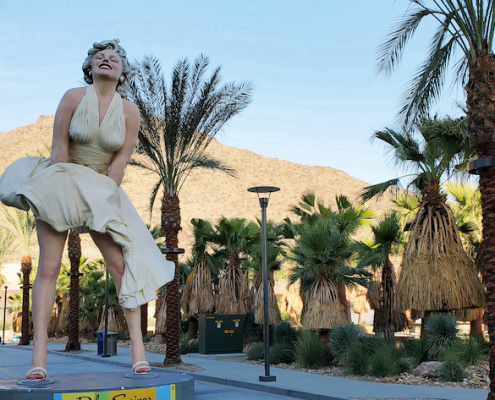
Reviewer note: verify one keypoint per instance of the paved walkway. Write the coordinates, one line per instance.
(15, 361)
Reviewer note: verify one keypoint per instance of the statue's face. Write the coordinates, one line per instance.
(107, 63)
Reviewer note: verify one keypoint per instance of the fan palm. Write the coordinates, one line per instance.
(468, 26)
(197, 296)
(322, 253)
(22, 226)
(275, 253)
(74, 253)
(234, 239)
(348, 218)
(387, 240)
(437, 274)
(177, 125)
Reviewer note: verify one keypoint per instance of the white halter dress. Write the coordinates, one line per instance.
(78, 195)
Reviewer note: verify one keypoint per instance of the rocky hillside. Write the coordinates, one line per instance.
(207, 194)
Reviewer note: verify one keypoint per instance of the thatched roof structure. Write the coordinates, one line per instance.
(436, 272)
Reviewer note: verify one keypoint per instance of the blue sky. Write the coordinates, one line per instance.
(317, 99)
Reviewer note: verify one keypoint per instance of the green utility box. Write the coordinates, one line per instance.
(221, 334)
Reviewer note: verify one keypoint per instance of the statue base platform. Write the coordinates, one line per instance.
(159, 385)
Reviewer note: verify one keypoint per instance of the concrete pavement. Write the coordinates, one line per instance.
(289, 383)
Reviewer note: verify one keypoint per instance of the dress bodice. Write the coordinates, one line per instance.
(91, 144)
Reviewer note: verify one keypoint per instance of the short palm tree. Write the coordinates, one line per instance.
(322, 253)
(468, 27)
(197, 296)
(22, 226)
(275, 254)
(348, 218)
(177, 125)
(387, 240)
(437, 274)
(234, 239)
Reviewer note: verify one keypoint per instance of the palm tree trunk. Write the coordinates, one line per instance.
(341, 293)
(481, 117)
(388, 301)
(144, 319)
(26, 268)
(171, 227)
(74, 249)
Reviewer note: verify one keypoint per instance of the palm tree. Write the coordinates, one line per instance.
(6, 241)
(348, 218)
(197, 296)
(74, 250)
(235, 239)
(387, 240)
(468, 26)
(275, 254)
(22, 225)
(177, 125)
(322, 253)
(437, 274)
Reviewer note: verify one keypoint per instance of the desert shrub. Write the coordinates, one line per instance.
(370, 344)
(380, 364)
(285, 316)
(451, 368)
(256, 352)
(355, 361)
(402, 365)
(282, 353)
(309, 352)
(441, 335)
(147, 338)
(471, 350)
(253, 332)
(284, 334)
(188, 346)
(417, 351)
(340, 339)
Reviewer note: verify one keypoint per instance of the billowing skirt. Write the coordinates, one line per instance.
(72, 196)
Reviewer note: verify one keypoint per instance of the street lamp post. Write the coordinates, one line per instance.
(263, 190)
(4, 310)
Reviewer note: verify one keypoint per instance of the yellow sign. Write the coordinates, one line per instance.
(150, 393)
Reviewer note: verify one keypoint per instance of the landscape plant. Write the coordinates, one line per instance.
(441, 335)
(309, 351)
(341, 338)
(178, 122)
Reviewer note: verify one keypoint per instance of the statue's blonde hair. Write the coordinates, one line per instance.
(127, 71)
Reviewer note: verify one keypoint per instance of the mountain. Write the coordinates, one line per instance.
(207, 194)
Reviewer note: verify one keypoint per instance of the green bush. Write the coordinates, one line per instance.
(328, 356)
(256, 352)
(8, 326)
(284, 334)
(380, 364)
(451, 368)
(402, 365)
(355, 362)
(370, 344)
(340, 339)
(188, 346)
(253, 332)
(417, 351)
(471, 350)
(441, 335)
(147, 338)
(281, 353)
(309, 351)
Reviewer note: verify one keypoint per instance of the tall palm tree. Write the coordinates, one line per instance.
(74, 250)
(468, 26)
(235, 238)
(177, 125)
(197, 296)
(322, 253)
(387, 240)
(437, 274)
(348, 218)
(22, 225)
